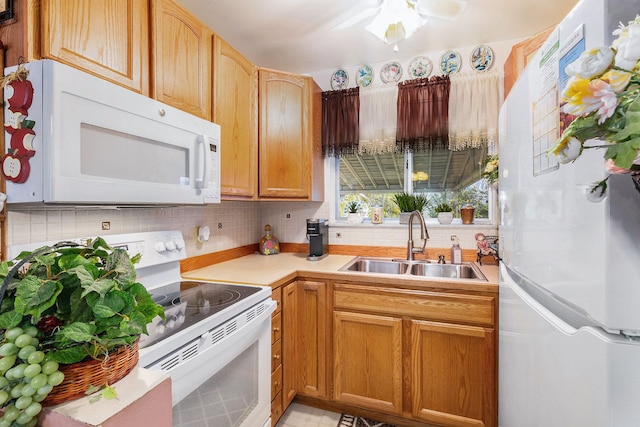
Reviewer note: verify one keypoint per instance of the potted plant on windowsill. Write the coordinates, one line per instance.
(444, 213)
(71, 316)
(409, 203)
(353, 214)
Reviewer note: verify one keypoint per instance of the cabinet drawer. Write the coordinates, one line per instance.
(474, 309)
(276, 327)
(276, 409)
(276, 295)
(276, 355)
(276, 382)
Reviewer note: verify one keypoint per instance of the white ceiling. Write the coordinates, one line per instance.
(296, 35)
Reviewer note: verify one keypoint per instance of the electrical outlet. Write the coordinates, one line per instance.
(338, 235)
(453, 237)
(288, 216)
(106, 225)
(219, 226)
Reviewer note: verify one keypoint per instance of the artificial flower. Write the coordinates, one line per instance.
(569, 150)
(591, 63)
(490, 167)
(627, 44)
(603, 93)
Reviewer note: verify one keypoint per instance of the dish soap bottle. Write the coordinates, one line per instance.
(456, 251)
(269, 245)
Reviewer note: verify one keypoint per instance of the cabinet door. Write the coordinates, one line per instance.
(285, 152)
(312, 338)
(289, 343)
(108, 38)
(367, 361)
(453, 378)
(235, 106)
(181, 59)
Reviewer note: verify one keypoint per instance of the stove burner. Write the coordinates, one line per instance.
(199, 299)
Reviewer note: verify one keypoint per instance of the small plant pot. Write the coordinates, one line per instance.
(354, 218)
(404, 217)
(445, 217)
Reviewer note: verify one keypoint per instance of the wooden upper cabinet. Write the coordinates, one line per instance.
(235, 109)
(288, 137)
(108, 38)
(181, 58)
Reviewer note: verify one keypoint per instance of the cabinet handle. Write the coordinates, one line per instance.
(277, 383)
(276, 329)
(276, 357)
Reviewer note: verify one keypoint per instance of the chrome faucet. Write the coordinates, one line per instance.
(424, 235)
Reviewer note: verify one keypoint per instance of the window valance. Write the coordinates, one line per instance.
(340, 121)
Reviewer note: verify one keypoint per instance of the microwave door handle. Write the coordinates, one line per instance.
(201, 181)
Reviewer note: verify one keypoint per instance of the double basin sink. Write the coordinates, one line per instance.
(467, 271)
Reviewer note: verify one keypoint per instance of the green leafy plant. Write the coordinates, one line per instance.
(67, 303)
(443, 207)
(411, 202)
(352, 207)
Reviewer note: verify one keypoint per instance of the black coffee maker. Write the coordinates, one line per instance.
(318, 235)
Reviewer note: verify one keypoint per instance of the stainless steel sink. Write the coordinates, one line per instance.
(425, 268)
(367, 265)
(452, 271)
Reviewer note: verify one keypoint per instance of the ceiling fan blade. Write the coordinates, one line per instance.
(359, 16)
(444, 9)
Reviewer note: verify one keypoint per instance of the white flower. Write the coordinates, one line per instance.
(571, 151)
(591, 63)
(627, 44)
(597, 191)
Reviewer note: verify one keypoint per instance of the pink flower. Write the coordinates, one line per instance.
(611, 167)
(603, 99)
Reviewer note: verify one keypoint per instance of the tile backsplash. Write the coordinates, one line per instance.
(232, 224)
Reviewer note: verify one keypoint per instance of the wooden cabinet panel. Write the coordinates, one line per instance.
(181, 59)
(276, 382)
(367, 361)
(108, 38)
(290, 161)
(276, 327)
(276, 355)
(276, 295)
(276, 409)
(453, 374)
(235, 107)
(312, 338)
(284, 155)
(290, 344)
(476, 309)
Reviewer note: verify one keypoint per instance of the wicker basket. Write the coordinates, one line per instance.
(78, 376)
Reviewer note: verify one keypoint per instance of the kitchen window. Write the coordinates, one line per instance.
(443, 175)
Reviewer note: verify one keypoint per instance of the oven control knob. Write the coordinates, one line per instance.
(160, 247)
(179, 244)
(170, 245)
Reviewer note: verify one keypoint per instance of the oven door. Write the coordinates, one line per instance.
(224, 376)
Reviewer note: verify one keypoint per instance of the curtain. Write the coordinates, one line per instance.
(378, 119)
(474, 105)
(340, 121)
(423, 109)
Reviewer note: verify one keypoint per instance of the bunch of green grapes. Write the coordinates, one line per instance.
(26, 377)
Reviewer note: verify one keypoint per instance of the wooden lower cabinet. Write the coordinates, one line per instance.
(421, 355)
(367, 361)
(452, 374)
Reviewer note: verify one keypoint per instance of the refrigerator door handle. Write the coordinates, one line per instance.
(563, 315)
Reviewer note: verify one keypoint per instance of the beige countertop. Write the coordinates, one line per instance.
(270, 270)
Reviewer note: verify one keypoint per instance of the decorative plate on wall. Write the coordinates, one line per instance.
(450, 62)
(481, 57)
(339, 79)
(391, 72)
(419, 67)
(364, 76)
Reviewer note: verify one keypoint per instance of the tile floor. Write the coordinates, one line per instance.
(298, 415)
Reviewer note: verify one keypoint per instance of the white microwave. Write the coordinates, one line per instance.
(73, 138)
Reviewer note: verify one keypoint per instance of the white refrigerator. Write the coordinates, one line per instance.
(569, 311)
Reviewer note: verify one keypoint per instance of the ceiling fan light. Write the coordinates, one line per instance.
(444, 9)
(396, 21)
